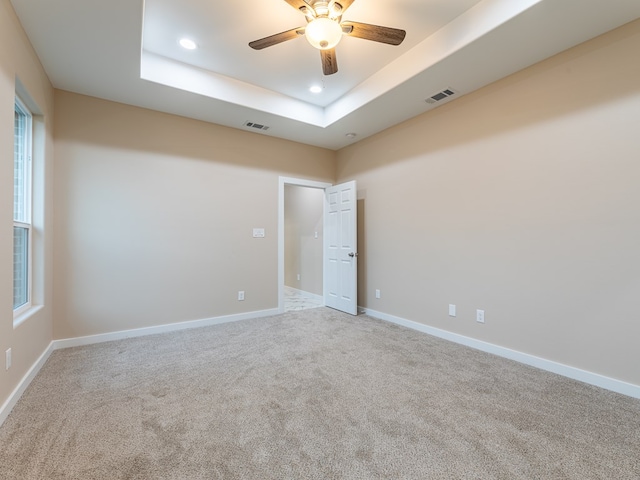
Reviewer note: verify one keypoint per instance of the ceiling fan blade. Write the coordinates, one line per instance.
(329, 61)
(376, 33)
(297, 4)
(277, 38)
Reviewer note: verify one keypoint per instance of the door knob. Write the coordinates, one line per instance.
(353, 254)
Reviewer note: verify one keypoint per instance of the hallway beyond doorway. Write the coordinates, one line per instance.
(298, 300)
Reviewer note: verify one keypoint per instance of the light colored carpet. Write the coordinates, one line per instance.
(311, 395)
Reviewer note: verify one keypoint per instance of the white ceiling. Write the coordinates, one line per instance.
(127, 51)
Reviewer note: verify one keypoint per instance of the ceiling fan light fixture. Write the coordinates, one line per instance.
(325, 29)
(323, 33)
(308, 12)
(335, 10)
(321, 8)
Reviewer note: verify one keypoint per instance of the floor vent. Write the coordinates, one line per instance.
(257, 126)
(440, 96)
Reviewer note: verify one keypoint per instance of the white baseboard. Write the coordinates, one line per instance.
(614, 385)
(171, 327)
(584, 376)
(8, 405)
(5, 410)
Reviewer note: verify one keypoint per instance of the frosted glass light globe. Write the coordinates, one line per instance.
(323, 33)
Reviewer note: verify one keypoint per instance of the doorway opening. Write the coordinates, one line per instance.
(303, 247)
(300, 244)
(339, 243)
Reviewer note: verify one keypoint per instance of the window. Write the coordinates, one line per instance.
(22, 221)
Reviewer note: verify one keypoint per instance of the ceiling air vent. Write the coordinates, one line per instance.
(440, 96)
(257, 126)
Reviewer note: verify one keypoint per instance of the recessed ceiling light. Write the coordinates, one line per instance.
(315, 89)
(351, 135)
(188, 44)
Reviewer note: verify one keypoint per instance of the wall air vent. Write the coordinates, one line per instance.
(257, 126)
(440, 96)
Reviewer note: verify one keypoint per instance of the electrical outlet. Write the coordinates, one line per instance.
(377, 293)
(480, 316)
(452, 310)
(7, 359)
(241, 295)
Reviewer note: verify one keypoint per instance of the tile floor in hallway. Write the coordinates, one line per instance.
(296, 300)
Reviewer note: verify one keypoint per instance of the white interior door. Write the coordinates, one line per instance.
(340, 253)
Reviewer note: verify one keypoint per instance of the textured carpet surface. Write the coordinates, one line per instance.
(311, 395)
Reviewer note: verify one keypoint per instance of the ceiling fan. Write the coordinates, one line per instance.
(325, 28)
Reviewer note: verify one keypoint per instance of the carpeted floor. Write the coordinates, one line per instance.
(311, 395)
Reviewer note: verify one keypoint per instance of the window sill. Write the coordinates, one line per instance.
(24, 316)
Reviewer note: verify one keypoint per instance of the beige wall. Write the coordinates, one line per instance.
(154, 216)
(522, 199)
(31, 338)
(303, 217)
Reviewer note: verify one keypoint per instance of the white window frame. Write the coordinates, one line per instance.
(27, 221)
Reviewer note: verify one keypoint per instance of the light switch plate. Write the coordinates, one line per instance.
(258, 233)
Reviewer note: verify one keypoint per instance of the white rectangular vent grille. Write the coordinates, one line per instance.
(257, 126)
(440, 96)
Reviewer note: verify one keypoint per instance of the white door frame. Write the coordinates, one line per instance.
(301, 182)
